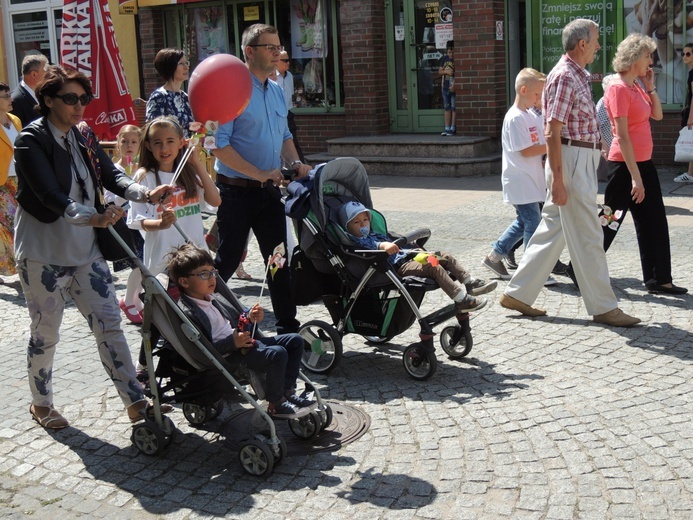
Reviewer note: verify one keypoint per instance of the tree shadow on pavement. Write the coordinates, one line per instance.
(390, 490)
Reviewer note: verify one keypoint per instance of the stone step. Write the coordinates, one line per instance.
(413, 145)
(489, 164)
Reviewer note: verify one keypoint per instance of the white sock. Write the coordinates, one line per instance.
(495, 256)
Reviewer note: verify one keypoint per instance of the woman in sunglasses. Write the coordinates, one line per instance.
(61, 176)
(170, 99)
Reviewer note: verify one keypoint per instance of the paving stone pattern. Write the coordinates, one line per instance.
(552, 417)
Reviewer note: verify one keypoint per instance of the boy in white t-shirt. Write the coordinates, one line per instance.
(524, 184)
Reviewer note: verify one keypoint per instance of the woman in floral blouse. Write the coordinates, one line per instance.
(170, 100)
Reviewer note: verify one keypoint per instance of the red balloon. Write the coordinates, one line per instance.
(220, 89)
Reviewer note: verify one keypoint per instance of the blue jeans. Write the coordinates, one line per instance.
(523, 227)
(279, 358)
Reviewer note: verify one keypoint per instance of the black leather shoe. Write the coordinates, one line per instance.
(655, 288)
(571, 274)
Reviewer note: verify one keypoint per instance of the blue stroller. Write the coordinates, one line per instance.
(361, 289)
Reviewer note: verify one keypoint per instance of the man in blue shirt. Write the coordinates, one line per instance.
(248, 162)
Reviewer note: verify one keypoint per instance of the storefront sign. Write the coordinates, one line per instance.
(251, 13)
(443, 34)
(127, 6)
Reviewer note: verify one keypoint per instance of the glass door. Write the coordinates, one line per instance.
(418, 31)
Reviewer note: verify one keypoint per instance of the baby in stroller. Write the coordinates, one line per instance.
(355, 218)
(192, 269)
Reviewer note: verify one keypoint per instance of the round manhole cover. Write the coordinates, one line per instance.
(348, 424)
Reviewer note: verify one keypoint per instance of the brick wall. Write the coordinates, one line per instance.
(480, 60)
(151, 34)
(314, 130)
(363, 61)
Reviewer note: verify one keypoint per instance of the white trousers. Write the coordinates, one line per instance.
(575, 224)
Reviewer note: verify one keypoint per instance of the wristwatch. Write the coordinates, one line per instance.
(294, 163)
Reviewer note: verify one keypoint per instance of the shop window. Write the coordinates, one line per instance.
(307, 29)
(670, 24)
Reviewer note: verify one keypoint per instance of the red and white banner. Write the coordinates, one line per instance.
(88, 44)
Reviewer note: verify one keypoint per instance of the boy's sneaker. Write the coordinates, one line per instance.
(560, 268)
(301, 402)
(510, 260)
(445, 133)
(478, 286)
(497, 267)
(684, 177)
(286, 410)
(470, 303)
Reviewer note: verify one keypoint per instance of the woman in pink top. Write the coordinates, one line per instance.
(631, 101)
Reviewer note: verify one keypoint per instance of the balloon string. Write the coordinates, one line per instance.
(185, 158)
(262, 290)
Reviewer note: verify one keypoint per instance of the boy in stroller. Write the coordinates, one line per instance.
(192, 269)
(355, 218)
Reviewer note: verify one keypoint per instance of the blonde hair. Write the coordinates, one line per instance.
(527, 76)
(127, 129)
(631, 50)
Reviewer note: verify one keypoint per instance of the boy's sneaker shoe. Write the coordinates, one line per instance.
(470, 303)
(684, 177)
(560, 268)
(510, 260)
(479, 286)
(286, 410)
(445, 133)
(301, 402)
(497, 267)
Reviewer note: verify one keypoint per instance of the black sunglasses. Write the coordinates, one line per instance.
(686, 54)
(285, 61)
(71, 99)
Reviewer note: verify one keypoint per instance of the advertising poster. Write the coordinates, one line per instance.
(556, 14)
(209, 28)
(308, 29)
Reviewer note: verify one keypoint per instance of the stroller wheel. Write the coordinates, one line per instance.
(148, 438)
(325, 417)
(323, 346)
(256, 458)
(198, 414)
(305, 427)
(419, 363)
(456, 343)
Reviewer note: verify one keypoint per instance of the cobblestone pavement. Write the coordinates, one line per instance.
(552, 417)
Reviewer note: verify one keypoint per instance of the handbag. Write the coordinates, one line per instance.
(684, 146)
(109, 245)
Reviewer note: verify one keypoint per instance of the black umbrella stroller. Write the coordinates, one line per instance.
(361, 289)
(190, 371)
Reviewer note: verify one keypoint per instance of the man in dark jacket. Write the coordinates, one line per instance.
(23, 98)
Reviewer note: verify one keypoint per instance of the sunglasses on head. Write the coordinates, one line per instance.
(71, 99)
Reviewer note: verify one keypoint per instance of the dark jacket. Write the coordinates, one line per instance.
(23, 105)
(201, 321)
(44, 173)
